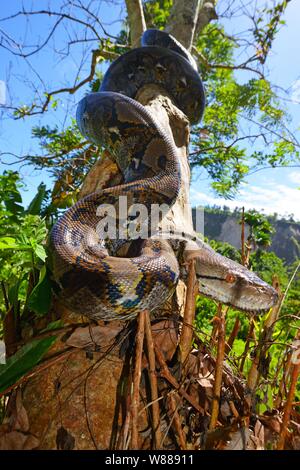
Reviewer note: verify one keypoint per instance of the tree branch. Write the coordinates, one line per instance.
(243, 66)
(40, 109)
(207, 13)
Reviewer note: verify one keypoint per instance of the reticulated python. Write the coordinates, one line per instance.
(95, 279)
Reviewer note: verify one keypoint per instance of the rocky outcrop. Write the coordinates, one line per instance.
(225, 226)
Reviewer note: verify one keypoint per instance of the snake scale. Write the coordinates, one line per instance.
(95, 277)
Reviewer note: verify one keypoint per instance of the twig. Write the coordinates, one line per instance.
(123, 437)
(288, 406)
(247, 344)
(153, 381)
(176, 422)
(165, 373)
(287, 289)
(282, 386)
(233, 335)
(225, 66)
(136, 379)
(189, 312)
(219, 368)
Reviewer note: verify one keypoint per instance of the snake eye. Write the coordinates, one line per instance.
(230, 278)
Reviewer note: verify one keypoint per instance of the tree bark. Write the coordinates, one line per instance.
(188, 18)
(207, 13)
(136, 21)
(183, 19)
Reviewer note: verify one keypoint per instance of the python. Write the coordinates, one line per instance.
(95, 276)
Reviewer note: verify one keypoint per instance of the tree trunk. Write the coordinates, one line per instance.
(79, 393)
(75, 403)
(136, 21)
(183, 19)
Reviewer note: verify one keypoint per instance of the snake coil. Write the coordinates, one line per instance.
(96, 277)
(95, 280)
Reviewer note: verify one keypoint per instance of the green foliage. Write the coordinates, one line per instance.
(157, 12)
(35, 207)
(268, 22)
(10, 198)
(40, 297)
(22, 250)
(23, 361)
(225, 249)
(68, 157)
(54, 141)
(261, 229)
(267, 264)
(219, 145)
(235, 99)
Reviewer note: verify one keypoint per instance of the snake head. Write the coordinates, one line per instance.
(228, 282)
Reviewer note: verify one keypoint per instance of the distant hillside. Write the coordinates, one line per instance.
(224, 226)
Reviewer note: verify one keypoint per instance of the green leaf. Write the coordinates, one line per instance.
(23, 361)
(54, 325)
(35, 206)
(40, 298)
(40, 252)
(13, 292)
(9, 243)
(13, 207)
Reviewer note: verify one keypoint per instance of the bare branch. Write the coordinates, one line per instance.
(62, 16)
(40, 109)
(269, 167)
(243, 66)
(39, 48)
(227, 147)
(293, 139)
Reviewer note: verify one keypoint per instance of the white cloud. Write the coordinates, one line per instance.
(294, 177)
(275, 198)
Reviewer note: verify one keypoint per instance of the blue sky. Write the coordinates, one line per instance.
(273, 190)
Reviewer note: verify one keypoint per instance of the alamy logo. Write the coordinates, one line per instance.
(139, 221)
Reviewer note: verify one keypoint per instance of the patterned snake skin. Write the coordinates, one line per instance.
(95, 279)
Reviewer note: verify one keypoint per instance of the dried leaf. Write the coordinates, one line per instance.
(239, 440)
(205, 382)
(16, 440)
(165, 336)
(19, 419)
(258, 438)
(273, 422)
(91, 336)
(64, 440)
